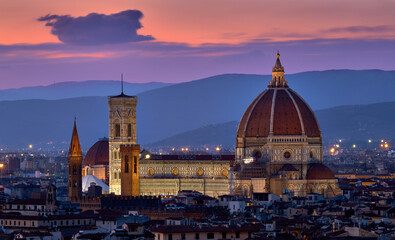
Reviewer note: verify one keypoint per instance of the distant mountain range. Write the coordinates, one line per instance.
(77, 89)
(170, 110)
(222, 134)
(353, 124)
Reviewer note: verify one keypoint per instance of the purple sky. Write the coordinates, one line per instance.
(48, 42)
(29, 65)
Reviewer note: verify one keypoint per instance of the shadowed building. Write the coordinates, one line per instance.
(130, 170)
(75, 166)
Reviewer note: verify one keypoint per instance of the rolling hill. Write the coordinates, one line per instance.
(171, 110)
(77, 89)
(353, 124)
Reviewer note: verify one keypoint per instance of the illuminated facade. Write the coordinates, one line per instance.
(122, 130)
(278, 149)
(279, 144)
(168, 174)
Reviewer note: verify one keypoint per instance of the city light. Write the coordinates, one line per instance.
(354, 146)
(172, 149)
(207, 149)
(186, 149)
(147, 156)
(382, 140)
(369, 141)
(1, 165)
(30, 146)
(386, 145)
(182, 149)
(340, 140)
(332, 150)
(217, 149)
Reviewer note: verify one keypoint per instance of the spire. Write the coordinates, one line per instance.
(121, 83)
(278, 67)
(75, 147)
(278, 74)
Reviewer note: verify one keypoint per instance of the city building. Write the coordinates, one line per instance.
(279, 144)
(278, 149)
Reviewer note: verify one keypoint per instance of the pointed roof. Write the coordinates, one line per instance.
(75, 147)
(122, 95)
(277, 66)
(278, 80)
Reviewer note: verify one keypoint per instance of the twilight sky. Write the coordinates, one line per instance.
(46, 41)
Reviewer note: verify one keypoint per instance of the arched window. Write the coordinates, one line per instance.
(117, 130)
(74, 170)
(135, 164)
(126, 164)
(129, 130)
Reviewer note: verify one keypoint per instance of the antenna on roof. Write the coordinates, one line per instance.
(122, 82)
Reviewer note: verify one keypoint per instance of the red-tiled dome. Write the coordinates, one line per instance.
(319, 171)
(281, 111)
(97, 154)
(278, 111)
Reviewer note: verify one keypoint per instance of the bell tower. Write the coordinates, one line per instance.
(122, 130)
(75, 167)
(130, 170)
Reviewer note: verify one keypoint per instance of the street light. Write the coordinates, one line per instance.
(1, 169)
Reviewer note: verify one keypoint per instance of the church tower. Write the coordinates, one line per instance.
(122, 130)
(75, 167)
(130, 170)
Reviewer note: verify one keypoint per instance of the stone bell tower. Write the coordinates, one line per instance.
(122, 130)
(75, 167)
(130, 170)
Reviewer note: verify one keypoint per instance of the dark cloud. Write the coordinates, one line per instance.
(96, 29)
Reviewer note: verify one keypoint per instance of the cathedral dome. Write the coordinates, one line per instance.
(319, 171)
(278, 111)
(98, 154)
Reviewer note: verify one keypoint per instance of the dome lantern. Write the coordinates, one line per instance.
(278, 75)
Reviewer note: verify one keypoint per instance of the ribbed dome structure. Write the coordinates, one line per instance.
(98, 154)
(278, 111)
(319, 171)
